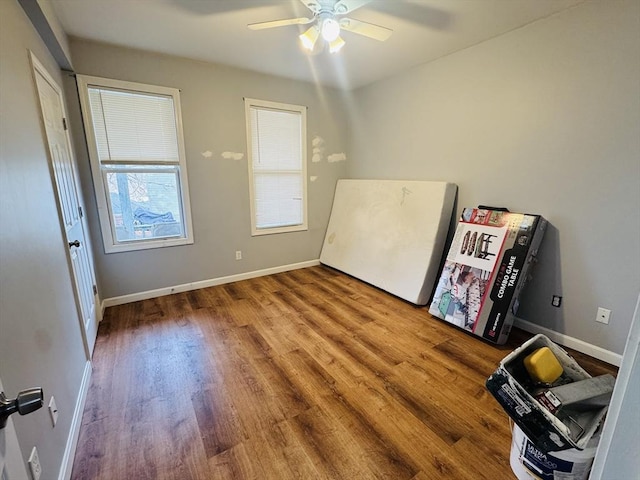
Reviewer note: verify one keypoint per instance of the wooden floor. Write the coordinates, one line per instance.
(308, 374)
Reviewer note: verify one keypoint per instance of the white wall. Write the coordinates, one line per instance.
(618, 456)
(43, 18)
(40, 337)
(55, 26)
(213, 118)
(544, 119)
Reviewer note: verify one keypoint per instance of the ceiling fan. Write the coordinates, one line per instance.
(328, 21)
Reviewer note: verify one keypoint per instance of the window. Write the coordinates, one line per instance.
(276, 137)
(134, 134)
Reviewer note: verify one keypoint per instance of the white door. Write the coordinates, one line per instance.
(64, 174)
(11, 463)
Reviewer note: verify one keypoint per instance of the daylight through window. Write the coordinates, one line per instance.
(136, 148)
(277, 166)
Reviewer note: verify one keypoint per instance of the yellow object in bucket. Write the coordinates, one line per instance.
(543, 366)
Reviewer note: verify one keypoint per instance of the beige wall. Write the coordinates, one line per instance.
(544, 119)
(55, 26)
(40, 337)
(213, 117)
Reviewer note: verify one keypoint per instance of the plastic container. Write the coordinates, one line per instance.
(512, 387)
(530, 463)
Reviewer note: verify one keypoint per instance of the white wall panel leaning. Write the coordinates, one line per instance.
(390, 233)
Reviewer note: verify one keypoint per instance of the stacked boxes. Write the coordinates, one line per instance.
(485, 270)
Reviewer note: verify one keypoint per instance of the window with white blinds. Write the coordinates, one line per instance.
(135, 127)
(276, 137)
(134, 134)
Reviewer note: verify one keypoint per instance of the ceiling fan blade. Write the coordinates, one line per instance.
(280, 23)
(364, 28)
(338, 7)
(313, 5)
(347, 6)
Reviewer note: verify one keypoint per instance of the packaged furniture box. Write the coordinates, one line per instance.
(486, 267)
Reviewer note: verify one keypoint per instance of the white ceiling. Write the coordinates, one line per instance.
(216, 31)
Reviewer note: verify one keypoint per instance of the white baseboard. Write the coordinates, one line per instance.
(134, 297)
(571, 342)
(560, 338)
(76, 421)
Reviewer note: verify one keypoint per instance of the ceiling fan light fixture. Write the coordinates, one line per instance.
(328, 22)
(336, 45)
(330, 29)
(310, 37)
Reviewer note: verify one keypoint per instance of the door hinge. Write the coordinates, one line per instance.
(80, 212)
(95, 290)
(64, 123)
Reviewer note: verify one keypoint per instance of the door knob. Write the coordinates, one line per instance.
(26, 402)
(75, 243)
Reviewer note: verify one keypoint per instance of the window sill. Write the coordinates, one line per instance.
(256, 232)
(141, 245)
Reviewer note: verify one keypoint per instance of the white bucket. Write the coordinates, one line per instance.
(530, 463)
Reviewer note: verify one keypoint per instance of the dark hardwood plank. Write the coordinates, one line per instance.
(309, 374)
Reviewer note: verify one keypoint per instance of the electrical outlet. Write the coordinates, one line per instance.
(556, 300)
(34, 464)
(603, 315)
(53, 410)
(238, 254)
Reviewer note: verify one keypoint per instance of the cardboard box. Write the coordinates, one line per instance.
(485, 270)
(512, 387)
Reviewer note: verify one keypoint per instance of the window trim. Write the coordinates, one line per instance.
(285, 107)
(111, 244)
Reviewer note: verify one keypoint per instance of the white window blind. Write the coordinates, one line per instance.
(277, 166)
(130, 126)
(134, 134)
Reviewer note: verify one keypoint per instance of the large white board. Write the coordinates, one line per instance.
(390, 233)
